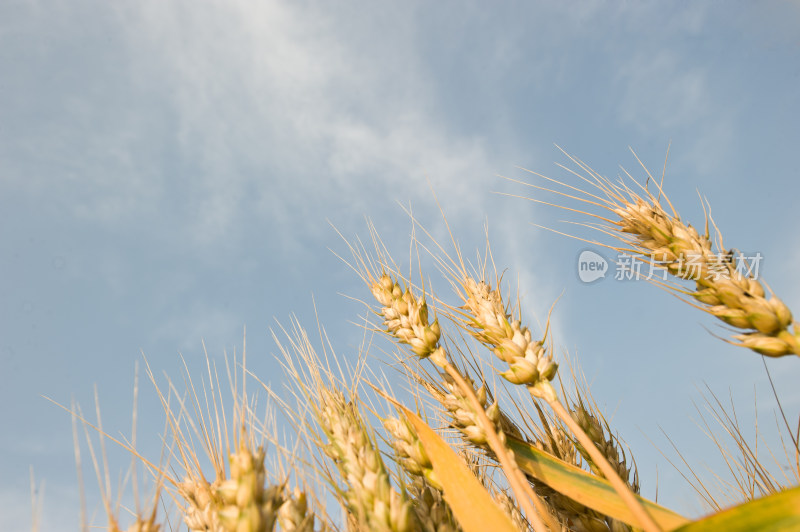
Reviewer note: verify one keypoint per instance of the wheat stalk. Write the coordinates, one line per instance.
(487, 318)
(406, 318)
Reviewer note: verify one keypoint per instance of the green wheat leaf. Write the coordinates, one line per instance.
(777, 512)
(587, 489)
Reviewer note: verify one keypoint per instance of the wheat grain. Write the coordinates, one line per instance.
(294, 514)
(433, 512)
(246, 504)
(490, 323)
(409, 451)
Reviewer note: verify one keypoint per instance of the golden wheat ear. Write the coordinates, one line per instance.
(646, 225)
(406, 319)
(487, 318)
(349, 457)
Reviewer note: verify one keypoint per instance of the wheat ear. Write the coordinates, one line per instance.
(648, 227)
(487, 319)
(409, 451)
(246, 504)
(553, 439)
(294, 514)
(720, 288)
(406, 318)
(370, 496)
(433, 513)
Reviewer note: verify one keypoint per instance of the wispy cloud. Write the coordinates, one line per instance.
(295, 110)
(200, 116)
(200, 322)
(662, 91)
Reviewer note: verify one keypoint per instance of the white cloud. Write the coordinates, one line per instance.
(667, 91)
(662, 90)
(198, 323)
(203, 111)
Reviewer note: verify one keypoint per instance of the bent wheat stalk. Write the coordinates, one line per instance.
(487, 319)
(406, 318)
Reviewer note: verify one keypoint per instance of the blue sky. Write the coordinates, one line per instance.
(169, 172)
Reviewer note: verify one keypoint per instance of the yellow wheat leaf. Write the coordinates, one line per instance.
(471, 503)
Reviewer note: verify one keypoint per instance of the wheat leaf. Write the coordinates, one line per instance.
(776, 512)
(587, 489)
(471, 503)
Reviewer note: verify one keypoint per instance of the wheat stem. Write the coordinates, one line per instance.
(406, 318)
(516, 479)
(645, 519)
(490, 323)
